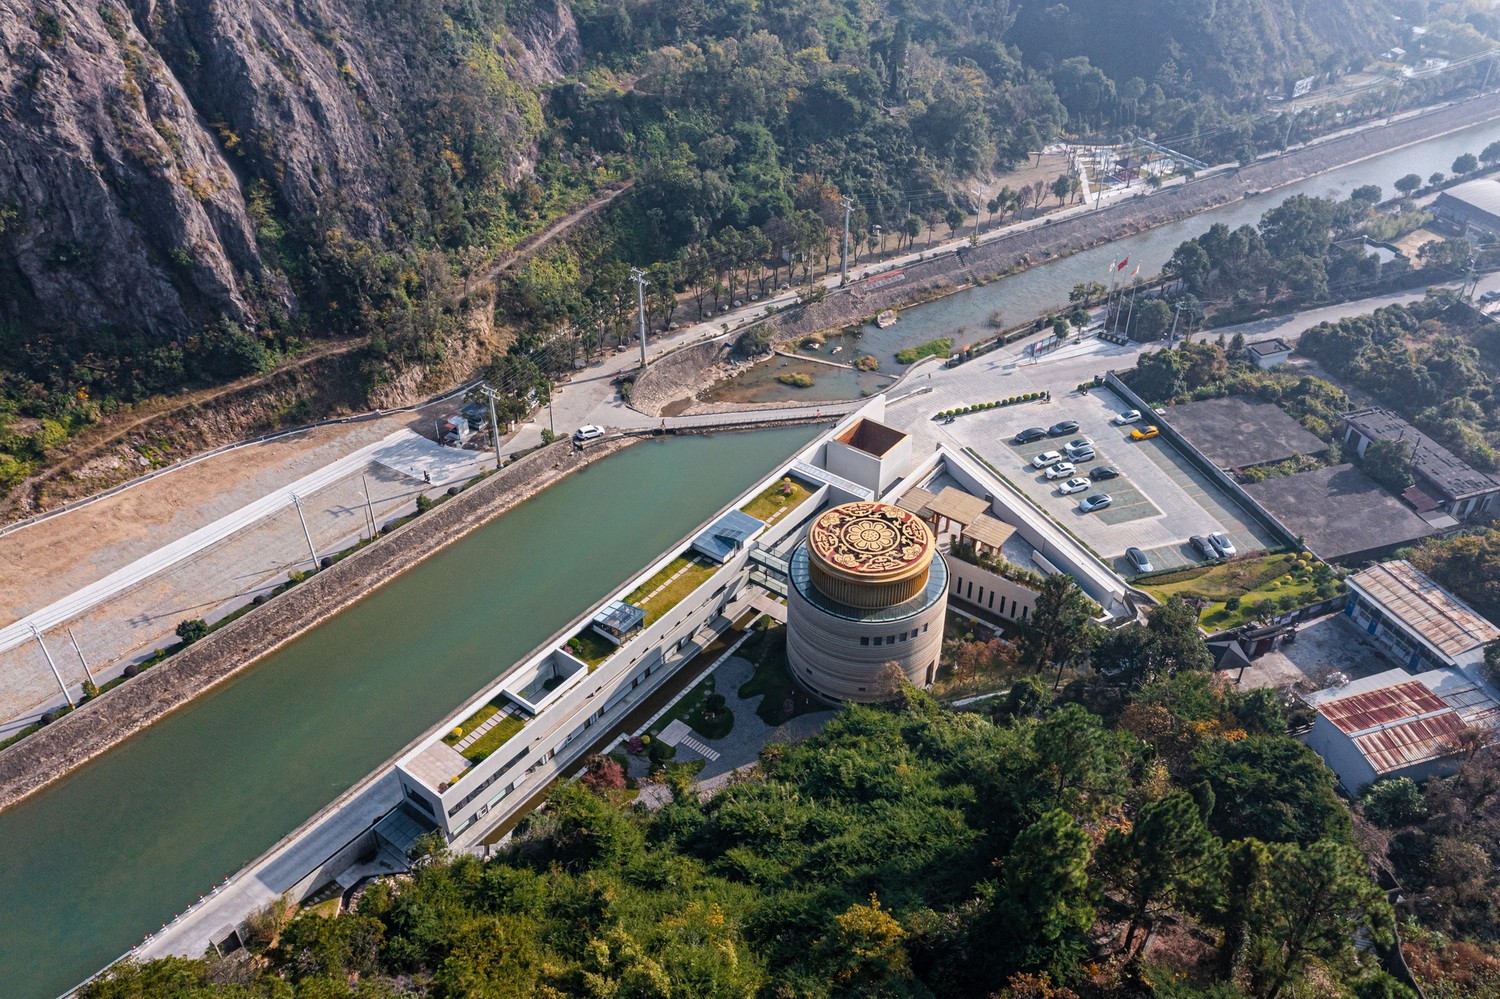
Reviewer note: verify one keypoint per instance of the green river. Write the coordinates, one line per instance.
(120, 846)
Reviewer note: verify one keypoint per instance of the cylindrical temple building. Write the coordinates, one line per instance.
(868, 588)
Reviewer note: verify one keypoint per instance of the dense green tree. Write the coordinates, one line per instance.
(1166, 855)
(1190, 265)
(1466, 163)
(1393, 802)
(1044, 905)
(1389, 463)
(1061, 629)
(1158, 376)
(1318, 898)
(1408, 184)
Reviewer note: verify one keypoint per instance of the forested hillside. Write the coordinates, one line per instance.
(1178, 846)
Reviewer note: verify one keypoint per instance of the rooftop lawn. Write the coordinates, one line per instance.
(777, 500)
(469, 724)
(657, 595)
(1287, 580)
(590, 646)
(482, 747)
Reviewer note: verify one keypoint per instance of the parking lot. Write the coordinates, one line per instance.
(1159, 500)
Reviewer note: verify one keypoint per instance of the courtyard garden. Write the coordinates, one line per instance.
(782, 699)
(702, 709)
(1248, 589)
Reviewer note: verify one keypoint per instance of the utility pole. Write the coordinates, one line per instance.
(369, 507)
(58, 676)
(639, 277)
(296, 502)
(1176, 315)
(86, 671)
(1487, 67)
(491, 394)
(844, 256)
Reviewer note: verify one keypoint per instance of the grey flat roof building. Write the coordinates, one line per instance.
(1340, 511)
(1476, 202)
(1437, 469)
(1235, 432)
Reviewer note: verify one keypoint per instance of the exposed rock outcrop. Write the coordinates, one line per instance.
(150, 150)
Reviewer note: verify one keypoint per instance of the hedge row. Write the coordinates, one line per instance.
(980, 407)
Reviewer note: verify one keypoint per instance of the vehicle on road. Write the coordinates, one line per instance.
(1221, 541)
(1073, 485)
(1145, 433)
(1203, 546)
(1046, 458)
(1028, 435)
(588, 432)
(1063, 429)
(1098, 501)
(1104, 472)
(1061, 470)
(1138, 560)
(1129, 416)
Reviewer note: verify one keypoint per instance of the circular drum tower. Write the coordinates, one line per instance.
(868, 588)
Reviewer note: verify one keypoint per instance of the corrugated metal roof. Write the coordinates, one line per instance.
(1359, 712)
(1393, 747)
(1483, 194)
(1444, 621)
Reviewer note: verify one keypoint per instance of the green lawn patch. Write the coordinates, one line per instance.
(780, 498)
(941, 347)
(480, 749)
(590, 646)
(773, 678)
(469, 724)
(655, 604)
(1255, 586)
(691, 710)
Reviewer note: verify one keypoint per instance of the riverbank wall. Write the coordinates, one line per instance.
(99, 725)
(950, 270)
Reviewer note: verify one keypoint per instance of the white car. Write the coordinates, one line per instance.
(1046, 458)
(1061, 470)
(588, 432)
(1129, 416)
(1221, 542)
(1074, 485)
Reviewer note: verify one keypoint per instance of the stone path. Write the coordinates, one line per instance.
(678, 734)
(483, 727)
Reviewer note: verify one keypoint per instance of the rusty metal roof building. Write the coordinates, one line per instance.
(1394, 724)
(1397, 595)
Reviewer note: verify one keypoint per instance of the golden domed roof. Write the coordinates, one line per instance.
(870, 554)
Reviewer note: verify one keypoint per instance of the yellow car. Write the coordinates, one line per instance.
(1145, 433)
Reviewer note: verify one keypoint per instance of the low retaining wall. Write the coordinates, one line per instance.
(99, 725)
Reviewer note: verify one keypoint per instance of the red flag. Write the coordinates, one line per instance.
(1122, 264)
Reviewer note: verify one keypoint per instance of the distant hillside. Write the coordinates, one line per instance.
(1229, 48)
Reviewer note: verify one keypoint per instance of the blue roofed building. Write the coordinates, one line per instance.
(618, 621)
(724, 539)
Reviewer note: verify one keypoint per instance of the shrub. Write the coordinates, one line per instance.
(457, 733)
(1232, 604)
(192, 630)
(424, 503)
(1390, 803)
(90, 689)
(661, 753)
(131, 672)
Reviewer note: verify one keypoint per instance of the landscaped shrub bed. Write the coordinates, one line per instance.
(980, 407)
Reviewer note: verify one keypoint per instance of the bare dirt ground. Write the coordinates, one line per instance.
(1028, 173)
(50, 559)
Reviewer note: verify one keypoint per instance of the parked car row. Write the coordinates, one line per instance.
(1212, 546)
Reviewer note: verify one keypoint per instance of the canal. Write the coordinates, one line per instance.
(965, 316)
(121, 845)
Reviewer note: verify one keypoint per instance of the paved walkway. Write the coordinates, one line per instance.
(483, 727)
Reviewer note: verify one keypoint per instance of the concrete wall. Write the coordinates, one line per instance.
(991, 594)
(1341, 755)
(838, 660)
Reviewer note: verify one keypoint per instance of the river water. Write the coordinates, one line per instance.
(966, 316)
(118, 847)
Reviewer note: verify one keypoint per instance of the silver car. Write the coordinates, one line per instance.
(1046, 458)
(1221, 542)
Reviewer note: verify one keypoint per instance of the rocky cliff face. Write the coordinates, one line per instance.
(152, 150)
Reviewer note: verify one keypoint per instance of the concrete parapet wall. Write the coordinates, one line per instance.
(78, 737)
